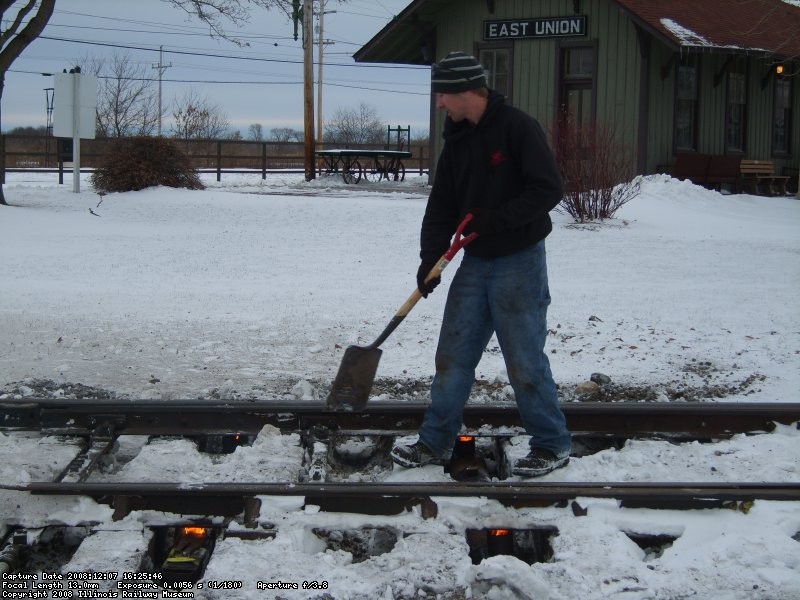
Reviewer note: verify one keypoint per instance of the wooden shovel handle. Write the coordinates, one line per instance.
(459, 241)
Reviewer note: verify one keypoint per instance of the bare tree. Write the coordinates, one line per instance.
(596, 168)
(217, 13)
(27, 19)
(355, 126)
(255, 132)
(127, 101)
(195, 118)
(18, 32)
(285, 134)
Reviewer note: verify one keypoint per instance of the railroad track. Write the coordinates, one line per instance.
(479, 468)
(155, 417)
(221, 427)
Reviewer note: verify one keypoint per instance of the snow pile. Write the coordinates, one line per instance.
(253, 289)
(179, 294)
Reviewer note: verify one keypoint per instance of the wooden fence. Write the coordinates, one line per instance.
(42, 153)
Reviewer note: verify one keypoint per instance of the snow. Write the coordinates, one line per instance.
(686, 36)
(252, 289)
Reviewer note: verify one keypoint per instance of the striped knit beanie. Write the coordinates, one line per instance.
(457, 72)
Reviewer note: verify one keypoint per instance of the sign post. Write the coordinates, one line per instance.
(75, 103)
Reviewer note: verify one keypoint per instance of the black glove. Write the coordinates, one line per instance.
(425, 268)
(484, 221)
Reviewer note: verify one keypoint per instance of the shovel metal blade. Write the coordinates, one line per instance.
(354, 380)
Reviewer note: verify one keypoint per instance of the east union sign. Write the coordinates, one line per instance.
(534, 28)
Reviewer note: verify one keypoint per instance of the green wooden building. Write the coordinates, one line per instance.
(668, 76)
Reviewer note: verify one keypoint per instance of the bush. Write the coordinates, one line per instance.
(140, 162)
(596, 169)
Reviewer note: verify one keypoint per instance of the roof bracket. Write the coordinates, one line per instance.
(722, 70)
(667, 66)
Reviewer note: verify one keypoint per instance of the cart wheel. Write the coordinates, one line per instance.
(353, 174)
(398, 174)
(373, 174)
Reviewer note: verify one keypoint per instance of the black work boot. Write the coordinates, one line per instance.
(538, 462)
(414, 455)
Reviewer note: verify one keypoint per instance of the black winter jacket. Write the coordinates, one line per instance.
(503, 164)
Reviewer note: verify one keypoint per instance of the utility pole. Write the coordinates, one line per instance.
(308, 90)
(321, 41)
(161, 68)
(49, 95)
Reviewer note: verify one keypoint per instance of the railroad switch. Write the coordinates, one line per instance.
(529, 545)
(98, 452)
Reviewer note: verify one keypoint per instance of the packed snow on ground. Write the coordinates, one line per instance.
(253, 288)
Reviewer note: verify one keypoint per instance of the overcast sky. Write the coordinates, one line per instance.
(258, 84)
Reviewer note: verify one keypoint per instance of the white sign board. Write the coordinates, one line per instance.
(64, 115)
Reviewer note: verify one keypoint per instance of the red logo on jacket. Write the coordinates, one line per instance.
(496, 158)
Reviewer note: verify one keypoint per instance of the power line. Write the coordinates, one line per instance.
(168, 32)
(250, 82)
(225, 56)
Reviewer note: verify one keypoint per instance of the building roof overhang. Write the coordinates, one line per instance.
(754, 27)
(406, 39)
(760, 27)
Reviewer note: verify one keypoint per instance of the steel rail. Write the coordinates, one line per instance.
(146, 417)
(230, 499)
(244, 500)
(496, 490)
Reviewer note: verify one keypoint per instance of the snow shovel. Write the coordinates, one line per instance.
(353, 382)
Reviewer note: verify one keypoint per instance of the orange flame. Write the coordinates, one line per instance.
(194, 531)
(499, 532)
(465, 438)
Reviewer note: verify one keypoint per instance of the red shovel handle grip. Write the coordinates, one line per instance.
(460, 240)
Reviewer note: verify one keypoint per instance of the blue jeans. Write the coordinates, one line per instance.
(508, 296)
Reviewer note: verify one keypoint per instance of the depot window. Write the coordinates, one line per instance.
(736, 108)
(686, 103)
(782, 116)
(497, 60)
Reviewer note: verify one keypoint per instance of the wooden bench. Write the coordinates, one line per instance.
(755, 173)
(709, 170)
(723, 169)
(691, 166)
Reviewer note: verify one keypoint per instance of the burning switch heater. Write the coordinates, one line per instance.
(466, 462)
(223, 443)
(499, 542)
(529, 545)
(187, 549)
